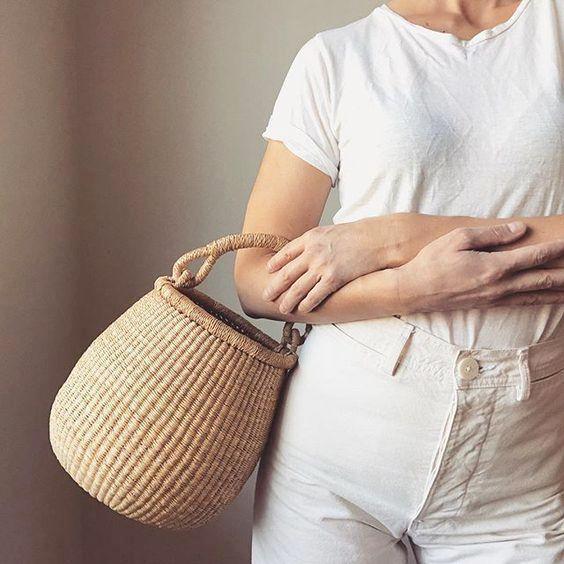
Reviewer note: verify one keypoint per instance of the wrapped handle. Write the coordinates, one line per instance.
(184, 278)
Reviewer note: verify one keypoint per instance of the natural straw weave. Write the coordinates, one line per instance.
(166, 414)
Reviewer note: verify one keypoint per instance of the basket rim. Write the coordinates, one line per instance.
(261, 349)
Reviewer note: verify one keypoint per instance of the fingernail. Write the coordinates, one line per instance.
(515, 226)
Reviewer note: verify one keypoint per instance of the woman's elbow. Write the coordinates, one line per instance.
(251, 304)
(248, 293)
(251, 278)
(247, 305)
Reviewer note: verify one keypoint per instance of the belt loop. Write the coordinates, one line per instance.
(395, 351)
(524, 386)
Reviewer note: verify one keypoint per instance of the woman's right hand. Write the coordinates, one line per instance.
(455, 272)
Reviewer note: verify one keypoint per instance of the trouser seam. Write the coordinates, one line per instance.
(477, 463)
(452, 418)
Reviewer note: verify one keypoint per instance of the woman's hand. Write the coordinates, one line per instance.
(451, 273)
(319, 262)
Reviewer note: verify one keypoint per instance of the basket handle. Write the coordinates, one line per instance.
(184, 278)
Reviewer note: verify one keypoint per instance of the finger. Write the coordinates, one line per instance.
(283, 279)
(531, 298)
(316, 295)
(297, 292)
(534, 280)
(480, 237)
(529, 256)
(287, 253)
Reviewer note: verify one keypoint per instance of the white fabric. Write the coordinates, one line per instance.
(404, 118)
(375, 442)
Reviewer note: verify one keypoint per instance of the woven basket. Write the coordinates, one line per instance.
(166, 414)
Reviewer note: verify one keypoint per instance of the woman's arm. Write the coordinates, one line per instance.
(334, 255)
(410, 232)
(369, 296)
(288, 199)
(447, 274)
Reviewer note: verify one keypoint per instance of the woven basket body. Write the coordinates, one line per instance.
(166, 414)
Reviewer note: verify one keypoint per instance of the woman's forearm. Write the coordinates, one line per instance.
(366, 297)
(413, 231)
(446, 274)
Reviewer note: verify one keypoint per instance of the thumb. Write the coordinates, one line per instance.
(480, 237)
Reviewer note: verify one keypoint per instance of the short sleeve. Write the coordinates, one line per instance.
(302, 114)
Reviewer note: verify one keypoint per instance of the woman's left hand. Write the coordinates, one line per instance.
(317, 263)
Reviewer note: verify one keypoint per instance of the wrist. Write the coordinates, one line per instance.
(383, 237)
(384, 293)
(402, 227)
(407, 294)
(409, 232)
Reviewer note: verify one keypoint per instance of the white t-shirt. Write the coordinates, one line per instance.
(404, 118)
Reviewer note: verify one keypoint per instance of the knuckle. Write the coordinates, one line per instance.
(463, 234)
(285, 276)
(541, 255)
(545, 281)
(315, 233)
(531, 299)
(320, 265)
(323, 229)
(329, 285)
(498, 230)
(330, 274)
(286, 255)
(524, 298)
(497, 291)
(492, 274)
(497, 295)
(287, 304)
(316, 247)
(307, 304)
(317, 253)
(332, 282)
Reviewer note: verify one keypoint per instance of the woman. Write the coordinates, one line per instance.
(427, 402)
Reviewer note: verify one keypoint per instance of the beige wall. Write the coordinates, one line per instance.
(41, 510)
(130, 134)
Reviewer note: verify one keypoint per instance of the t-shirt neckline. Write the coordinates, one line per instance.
(449, 37)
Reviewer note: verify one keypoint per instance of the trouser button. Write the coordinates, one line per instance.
(468, 368)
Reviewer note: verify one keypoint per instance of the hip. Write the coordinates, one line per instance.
(374, 403)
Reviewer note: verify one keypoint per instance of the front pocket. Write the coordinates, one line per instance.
(353, 342)
(554, 377)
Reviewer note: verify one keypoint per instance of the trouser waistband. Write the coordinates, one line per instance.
(392, 339)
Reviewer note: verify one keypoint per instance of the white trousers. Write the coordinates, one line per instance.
(385, 431)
